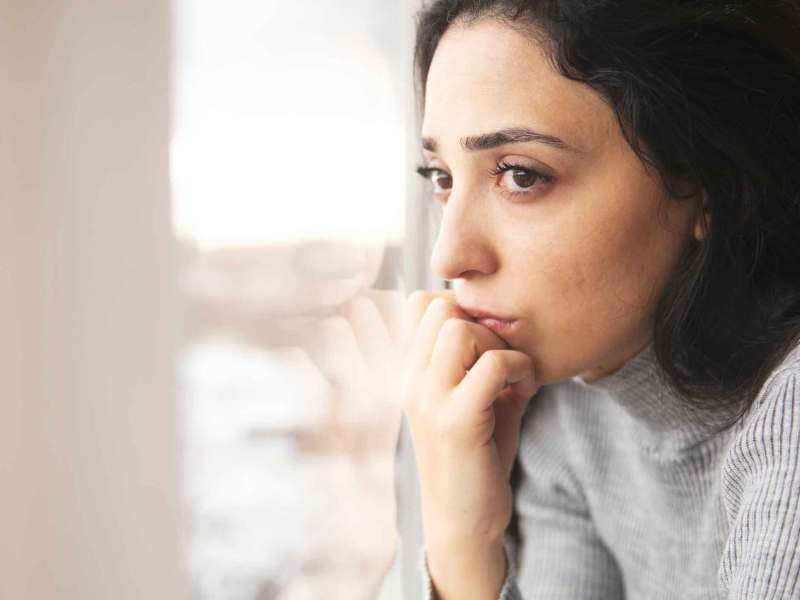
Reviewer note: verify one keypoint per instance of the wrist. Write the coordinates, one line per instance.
(467, 572)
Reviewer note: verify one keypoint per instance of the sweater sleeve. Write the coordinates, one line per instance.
(761, 494)
(553, 550)
(509, 590)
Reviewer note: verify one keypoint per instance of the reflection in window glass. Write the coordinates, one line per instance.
(289, 180)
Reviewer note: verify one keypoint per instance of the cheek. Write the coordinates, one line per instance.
(643, 233)
(589, 281)
(573, 280)
(609, 274)
(593, 294)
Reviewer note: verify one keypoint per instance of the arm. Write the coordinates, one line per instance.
(761, 492)
(465, 391)
(508, 591)
(552, 547)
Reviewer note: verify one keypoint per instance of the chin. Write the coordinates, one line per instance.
(550, 369)
(548, 372)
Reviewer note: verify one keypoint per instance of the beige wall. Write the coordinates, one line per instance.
(89, 482)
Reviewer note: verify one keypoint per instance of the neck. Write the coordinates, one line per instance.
(604, 370)
(663, 421)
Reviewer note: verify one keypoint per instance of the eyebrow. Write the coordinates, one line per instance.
(509, 135)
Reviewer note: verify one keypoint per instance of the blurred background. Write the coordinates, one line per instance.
(289, 177)
(210, 222)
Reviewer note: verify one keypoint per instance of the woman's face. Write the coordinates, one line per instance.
(553, 221)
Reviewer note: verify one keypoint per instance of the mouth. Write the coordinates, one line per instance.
(499, 327)
(500, 324)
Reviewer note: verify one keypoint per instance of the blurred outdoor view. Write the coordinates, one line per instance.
(289, 180)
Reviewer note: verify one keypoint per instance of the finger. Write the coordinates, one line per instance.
(414, 309)
(391, 304)
(334, 349)
(493, 372)
(458, 346)
(371, 334)
(439, 311)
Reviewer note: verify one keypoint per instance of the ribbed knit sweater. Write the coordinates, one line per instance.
(622, 490)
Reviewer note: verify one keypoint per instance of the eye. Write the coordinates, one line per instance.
(442, 181)
(519, 180)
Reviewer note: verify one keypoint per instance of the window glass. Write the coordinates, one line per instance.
(290, 181)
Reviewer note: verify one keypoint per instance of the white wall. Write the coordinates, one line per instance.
(89, 482)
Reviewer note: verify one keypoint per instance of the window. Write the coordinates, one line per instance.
(293, 140)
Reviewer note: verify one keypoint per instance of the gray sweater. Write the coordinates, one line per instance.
(622, 491)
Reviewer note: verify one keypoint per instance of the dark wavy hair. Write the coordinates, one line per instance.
(708, 94)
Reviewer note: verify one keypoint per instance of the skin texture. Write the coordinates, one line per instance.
(581, 260)
(578, 259)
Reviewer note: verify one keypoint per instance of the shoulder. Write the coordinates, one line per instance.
(765, 445)
(761, 484)
(789, 369)
(778, 397)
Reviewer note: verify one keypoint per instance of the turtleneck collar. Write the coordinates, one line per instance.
(664, 422)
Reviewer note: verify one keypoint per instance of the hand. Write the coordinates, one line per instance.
(348, 334)
(355, 350)
(464, 395)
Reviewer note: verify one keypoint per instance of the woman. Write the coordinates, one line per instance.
(607, 403)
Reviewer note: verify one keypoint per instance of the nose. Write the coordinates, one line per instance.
(463, 246)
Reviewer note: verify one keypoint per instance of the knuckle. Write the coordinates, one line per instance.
(494, 360)
(455, 327)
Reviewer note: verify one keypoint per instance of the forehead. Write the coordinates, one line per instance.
(488, 75)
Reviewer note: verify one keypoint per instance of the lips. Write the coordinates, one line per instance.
(498, 323)
(479, 313)
(497, 326)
